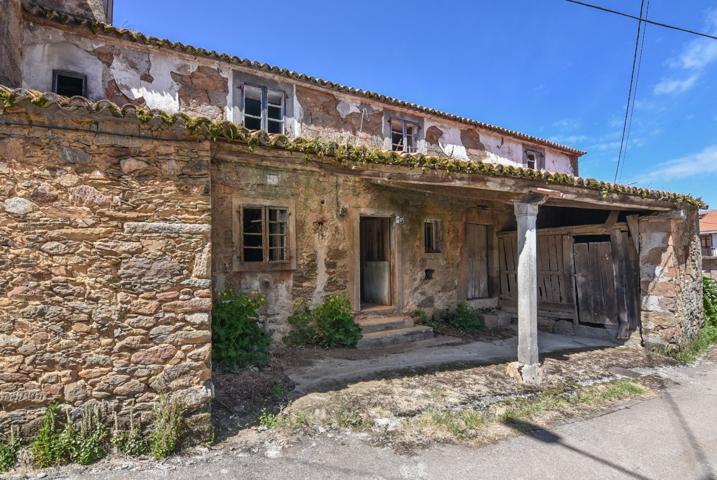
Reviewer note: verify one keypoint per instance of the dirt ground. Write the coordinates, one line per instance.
(460, 405)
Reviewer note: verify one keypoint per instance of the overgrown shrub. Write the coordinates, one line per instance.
(50, 446)
(129, 441)
(464, 318)
(9, 446)
(238, 340)
(329, 325)
(168, 426)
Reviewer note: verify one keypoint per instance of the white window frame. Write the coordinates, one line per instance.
(404, 134)
(264, 116)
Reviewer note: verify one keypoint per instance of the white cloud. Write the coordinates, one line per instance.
(667, 86)
(694, 58)
(700, 163)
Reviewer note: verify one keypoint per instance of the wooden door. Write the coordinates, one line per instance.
(595, 281)
(476, 244)
(375, 261)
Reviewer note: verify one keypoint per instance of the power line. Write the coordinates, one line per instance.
(621, 162)
(630, 91)
(641, 19)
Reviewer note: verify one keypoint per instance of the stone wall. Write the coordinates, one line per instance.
(105, 287)
(670, 278)
(11, 43)
(709, 267)
(326, 210)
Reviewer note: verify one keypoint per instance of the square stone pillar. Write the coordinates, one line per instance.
(528, 359)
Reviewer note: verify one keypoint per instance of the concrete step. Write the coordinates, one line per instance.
(384, 338)
(377, 324)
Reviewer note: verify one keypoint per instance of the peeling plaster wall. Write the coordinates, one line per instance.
(126, 72)
(326, 242)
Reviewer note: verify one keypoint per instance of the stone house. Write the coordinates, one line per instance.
(708, 240)
(222, 173)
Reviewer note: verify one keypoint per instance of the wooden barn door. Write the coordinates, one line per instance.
(476, 261)
(595, 282)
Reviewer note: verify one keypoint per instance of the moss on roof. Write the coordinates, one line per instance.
(341, 153)
(123, 33)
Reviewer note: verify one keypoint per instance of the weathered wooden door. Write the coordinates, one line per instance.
(595, 281)
(375, 261)
(476, 261)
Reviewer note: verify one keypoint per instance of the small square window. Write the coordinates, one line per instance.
(69, 84)
(432, 236)
(533, 158)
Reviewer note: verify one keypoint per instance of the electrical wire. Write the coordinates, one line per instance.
(621, 161)
(652, 22)
(630, 91)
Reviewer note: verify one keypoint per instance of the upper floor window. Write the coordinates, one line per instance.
(69, 84)
(263, 109)
(706, 241)
(533, 158)
(404, 136)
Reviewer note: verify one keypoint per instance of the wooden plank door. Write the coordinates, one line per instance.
(595, 281)
(476, 243)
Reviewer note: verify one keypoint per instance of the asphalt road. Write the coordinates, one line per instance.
(671, 437)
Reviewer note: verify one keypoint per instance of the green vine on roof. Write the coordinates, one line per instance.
(357, 155)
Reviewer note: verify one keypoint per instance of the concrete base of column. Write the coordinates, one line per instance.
(528, 374)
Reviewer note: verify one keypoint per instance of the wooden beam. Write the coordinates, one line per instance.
(633, 225)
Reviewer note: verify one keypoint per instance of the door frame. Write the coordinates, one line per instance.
(393, 256)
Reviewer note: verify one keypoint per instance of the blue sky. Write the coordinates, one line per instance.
(545, 67)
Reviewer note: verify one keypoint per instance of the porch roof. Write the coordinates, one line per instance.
(434, 174)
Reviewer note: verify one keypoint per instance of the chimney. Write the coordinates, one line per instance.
(11, 43)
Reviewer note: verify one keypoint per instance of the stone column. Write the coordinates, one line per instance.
(528, 361)
(10, 43)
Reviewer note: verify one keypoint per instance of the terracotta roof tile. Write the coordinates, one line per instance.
(708, 221)
(357, 156)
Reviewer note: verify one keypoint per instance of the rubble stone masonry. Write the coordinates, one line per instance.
(670, 278)
(105, 291)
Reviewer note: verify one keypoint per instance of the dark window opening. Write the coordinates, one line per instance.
(534, 159)
(431, 236)
(69, 84)
(591, 238)
(404, 136)
(706, 241)
(264, 234)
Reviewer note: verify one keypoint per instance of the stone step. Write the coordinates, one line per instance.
(392, 337)
(377, 324)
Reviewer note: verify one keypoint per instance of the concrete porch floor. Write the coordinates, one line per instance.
(328, 373)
